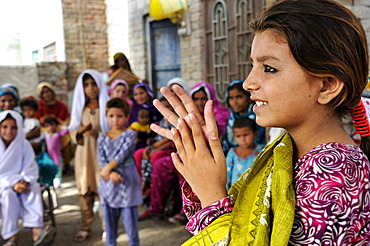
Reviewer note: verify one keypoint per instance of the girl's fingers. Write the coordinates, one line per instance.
(175, 102)
(216, 148)
(161, 131)
(178, 163)
(186, 138)
(196, 130)
(209, 117)
(177, 139)
(168, 114)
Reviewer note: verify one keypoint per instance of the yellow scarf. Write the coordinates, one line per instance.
(264, 207)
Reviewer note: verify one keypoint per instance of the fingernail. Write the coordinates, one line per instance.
(173, 130)
(179, 121)
(191, 116)
(213, 136)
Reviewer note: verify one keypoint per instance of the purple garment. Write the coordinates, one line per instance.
(120, 149)
(54, 145)
(333, 198)
(155, 116)
(221, 113)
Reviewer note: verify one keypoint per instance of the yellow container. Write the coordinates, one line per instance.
(162, 9)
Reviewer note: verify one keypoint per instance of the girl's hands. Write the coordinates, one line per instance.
(203, 166)
(115, 177)
(104, 173)
(21, 187)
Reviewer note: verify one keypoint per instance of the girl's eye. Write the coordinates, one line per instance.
(269, 69)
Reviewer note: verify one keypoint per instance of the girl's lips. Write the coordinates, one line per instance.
(259, 105)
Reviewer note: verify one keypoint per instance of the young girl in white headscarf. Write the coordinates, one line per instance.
(20, 194)
(87, 121)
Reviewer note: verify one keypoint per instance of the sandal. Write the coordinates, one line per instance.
(145, 215)
(46, 237)
(10, 243)
(81, 236)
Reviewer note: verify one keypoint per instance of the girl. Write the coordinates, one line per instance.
(120, 88)
(119, 186)
(311, 185)
(20, 194)
(143, 98)
(240, 105)
(87, 120)
(203, 91)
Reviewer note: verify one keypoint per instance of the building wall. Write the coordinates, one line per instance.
(85, 35)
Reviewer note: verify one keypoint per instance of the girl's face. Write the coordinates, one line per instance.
(47, 95)
(116, 118)
(245, 137)
(51, 128)
(8, 131)
(91, 89)
(7, 102)
(238, 101)
(286, 96)
(119, 91)
(143, 117)
(141, 96)
(200, 99)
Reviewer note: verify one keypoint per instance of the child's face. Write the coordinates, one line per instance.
(200, 99)
(28, 112)
(286, 96)
(119, 91)
(245, 137)
(116, 118)
(47, 95)
(7, 102)
(143, 117)
(91, 89)
(238, 101)
(51, 127)
(8, 131)
(141, 96)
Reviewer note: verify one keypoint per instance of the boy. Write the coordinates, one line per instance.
(119, 186)
(240, 158)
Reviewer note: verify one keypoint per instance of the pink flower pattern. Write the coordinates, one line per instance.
(332, 198)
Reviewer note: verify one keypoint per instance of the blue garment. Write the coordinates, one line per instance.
(236, 165)
(130, 218)
(229, 140)
(120, 149)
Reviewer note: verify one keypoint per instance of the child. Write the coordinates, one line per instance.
(142, 128)
(240, 105)
(20, 194)
(54, 145)
(311, 185)
(119, 187)
(143, 98)
(120, 88)
(240, 158)
(31, 124)
(87, 120)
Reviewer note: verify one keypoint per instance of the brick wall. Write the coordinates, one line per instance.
(85, 35)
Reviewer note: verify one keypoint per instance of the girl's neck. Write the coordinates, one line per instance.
(312, 135)
(244, 152)
(113, 133)
(93, 104)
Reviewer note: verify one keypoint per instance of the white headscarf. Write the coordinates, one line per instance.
(78, 103)
(180, 82)
(16, 160)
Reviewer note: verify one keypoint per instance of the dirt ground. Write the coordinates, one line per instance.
(151, 232)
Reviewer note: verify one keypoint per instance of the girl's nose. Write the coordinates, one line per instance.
(250, 83)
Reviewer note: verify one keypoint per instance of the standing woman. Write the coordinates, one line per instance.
(87, 121)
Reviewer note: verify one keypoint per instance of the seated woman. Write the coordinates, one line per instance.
(20, 194)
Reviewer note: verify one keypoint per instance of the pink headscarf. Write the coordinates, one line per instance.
(125, 84)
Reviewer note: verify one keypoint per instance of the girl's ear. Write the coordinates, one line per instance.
(330, 88)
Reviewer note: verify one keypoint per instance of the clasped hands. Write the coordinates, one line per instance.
(199, 158)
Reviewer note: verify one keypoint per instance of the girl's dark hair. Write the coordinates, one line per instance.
(8, 117)
(245, 122)
(327, 40)
(239, 87)
(50, 120)
(200, 89)
(30, 102)
(120, 103)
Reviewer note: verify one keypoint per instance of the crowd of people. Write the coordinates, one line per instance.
(119, 162)
(130, 148)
